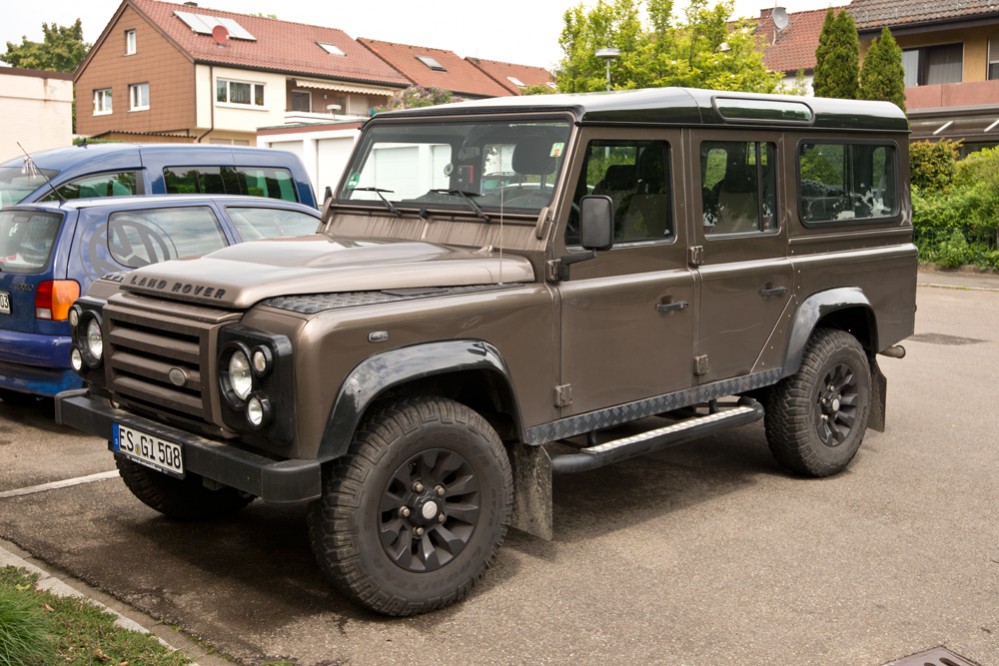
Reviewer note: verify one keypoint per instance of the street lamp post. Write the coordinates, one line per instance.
(608, 54)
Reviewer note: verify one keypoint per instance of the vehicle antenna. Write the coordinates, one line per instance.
(32, 169)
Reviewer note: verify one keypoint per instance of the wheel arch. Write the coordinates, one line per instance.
(468, 371)
(846, 308)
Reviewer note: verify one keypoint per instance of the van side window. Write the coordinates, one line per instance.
(141, 237)
(635, 175)
(267, 182)
(845, 182)
(737, 187)
(120, 184)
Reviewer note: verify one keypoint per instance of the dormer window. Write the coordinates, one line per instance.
(130, 42)
(431, 63)
(332, 49)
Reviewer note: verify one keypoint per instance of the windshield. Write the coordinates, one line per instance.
(478, 167)
(17, 182)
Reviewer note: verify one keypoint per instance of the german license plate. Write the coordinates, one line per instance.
(148, 450)
(4, 302)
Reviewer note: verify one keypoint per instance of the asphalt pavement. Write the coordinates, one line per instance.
(697, 555)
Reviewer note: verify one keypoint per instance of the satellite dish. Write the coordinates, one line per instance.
(780, 18)
(220, 35)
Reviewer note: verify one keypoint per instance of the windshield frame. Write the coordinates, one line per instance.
(464, 165)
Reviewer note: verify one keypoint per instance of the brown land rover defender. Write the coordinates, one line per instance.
(506, 289)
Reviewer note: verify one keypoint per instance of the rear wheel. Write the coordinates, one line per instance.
(416, 511)
(816, 419)
(182, 499)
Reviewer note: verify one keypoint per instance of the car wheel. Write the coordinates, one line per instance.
(816, 419)
(416, 511)
(182, 499)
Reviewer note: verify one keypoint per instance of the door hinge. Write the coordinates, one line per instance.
(695, 255)
(563, 395)
(701, 366)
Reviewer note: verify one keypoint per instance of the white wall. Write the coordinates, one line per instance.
(324, 153)
(37, 112)
(239, 118)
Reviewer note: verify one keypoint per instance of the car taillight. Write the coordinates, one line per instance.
(53, 298)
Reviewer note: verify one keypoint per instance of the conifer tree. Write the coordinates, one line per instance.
(882, 76)
(837, 73)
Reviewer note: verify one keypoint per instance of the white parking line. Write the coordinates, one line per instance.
(90, 478)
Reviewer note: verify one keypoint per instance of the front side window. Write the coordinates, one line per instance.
(841, 182)
(26, 240)
(102, 102)
(270, 182)
(138, 94)
(635, 175)
(142, 237)
(738, 189)
(129, 42)
(241, 93)
(116, 184)
(476, 167)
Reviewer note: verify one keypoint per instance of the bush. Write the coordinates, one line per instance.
(932, 164)
(24, 630)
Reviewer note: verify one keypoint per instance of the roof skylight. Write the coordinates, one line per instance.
(431, 63)
(331, 49)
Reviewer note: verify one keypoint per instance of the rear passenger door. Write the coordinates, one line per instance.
(739, 247)
(627, 314)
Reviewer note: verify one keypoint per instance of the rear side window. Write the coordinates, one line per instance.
(845, 182)
(257, 223)
(270, 182)
(738, 187)
(26, 240)
(139, 238)
(121, 184)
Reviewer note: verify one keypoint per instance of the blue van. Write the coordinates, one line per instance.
(123, 169)
(51, 253)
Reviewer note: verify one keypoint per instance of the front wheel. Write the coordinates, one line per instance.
(416, 511)
(815, 420)
(181, 499)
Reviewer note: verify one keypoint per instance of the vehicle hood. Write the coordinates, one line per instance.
(241, 275)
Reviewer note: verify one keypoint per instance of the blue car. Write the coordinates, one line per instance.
(51, 253)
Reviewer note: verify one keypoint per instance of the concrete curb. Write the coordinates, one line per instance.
(11, 555)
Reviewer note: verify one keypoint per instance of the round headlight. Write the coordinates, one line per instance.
(76, 359)
(93, 341)
(74, 317)
(240, 376)
(258, 410)
(261, 360)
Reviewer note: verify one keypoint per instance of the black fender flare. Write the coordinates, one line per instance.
(812, 310)
(378, 373)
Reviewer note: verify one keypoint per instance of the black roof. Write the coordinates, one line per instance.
(686, 106)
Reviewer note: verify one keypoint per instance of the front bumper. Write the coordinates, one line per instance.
(281, 481)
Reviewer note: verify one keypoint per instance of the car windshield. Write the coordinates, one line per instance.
(26, 240)
(17, 182)
(479, 167)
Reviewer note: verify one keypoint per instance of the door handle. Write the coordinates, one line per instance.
(770, 291)
(667, 307)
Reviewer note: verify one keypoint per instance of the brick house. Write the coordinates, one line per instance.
(181, 72)
(950, 52)
(789, 42)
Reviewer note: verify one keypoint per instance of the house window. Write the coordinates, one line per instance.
(933, 65)
(993, 73)
(431, 63)
(239, 92)
(129, 42)
(138, 95)
(301, 100)
(332, 49)
(102, 102)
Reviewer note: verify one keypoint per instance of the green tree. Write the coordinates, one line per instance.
(882, 76)
(703, 50)
(416, 96)
(837, 73)
(61, 50)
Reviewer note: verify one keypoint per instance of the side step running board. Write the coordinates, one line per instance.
(654, 440)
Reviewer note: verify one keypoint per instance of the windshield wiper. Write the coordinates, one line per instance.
(378, 191)
(467, 196)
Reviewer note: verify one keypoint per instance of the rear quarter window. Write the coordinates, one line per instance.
(847, 182)
(269, 182)
(27, 240)
(139, 238)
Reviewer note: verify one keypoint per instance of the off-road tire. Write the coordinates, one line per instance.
(181, 499)
(444, 463)
(816, 419)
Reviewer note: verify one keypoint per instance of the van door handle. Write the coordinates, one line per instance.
(770, 291)
(667, 307)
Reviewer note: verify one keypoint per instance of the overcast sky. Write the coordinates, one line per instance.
(517, 31)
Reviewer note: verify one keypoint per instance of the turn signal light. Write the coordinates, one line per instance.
(53, 298)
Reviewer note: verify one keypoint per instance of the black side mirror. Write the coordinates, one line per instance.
(596, 222)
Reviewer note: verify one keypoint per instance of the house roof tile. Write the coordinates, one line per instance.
(507, 74)
(280, 46)
(792, 48)
(456, 74)
(876, 14)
